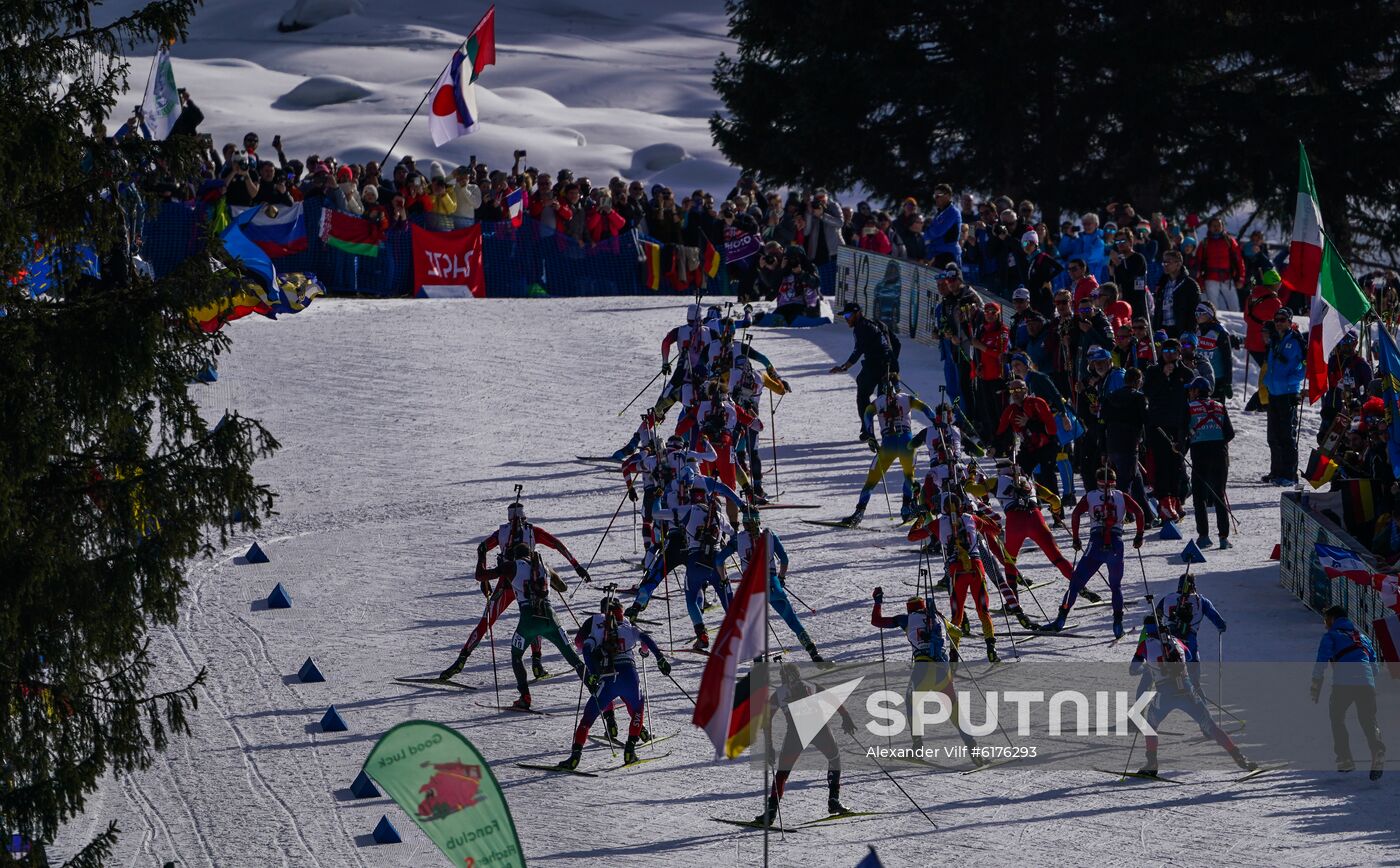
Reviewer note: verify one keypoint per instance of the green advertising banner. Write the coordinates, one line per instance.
(442, 782)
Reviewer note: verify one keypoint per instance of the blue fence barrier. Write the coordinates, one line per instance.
(516, 260)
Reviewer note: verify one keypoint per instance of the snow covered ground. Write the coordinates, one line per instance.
(601, 88)
(405, 425)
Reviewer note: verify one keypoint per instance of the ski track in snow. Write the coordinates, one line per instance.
(404, 429)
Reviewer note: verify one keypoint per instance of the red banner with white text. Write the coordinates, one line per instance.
(448, 264)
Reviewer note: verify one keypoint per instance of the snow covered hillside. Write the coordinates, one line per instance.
(405, 425)
(601, 88)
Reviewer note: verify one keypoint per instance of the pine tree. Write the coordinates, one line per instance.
(1075, 104)
(110, 479)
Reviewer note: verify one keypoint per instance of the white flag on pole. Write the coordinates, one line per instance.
(160, 107)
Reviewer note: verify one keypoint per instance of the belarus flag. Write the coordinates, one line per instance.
(740, 640)
(1316, 269)
(453, 105)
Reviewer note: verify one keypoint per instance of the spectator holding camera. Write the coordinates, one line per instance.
(242, 189)
(272, 186)
(346, 196)
(825, 221)
(466, 195)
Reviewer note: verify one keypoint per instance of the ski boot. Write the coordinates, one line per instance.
(1204, 541)
(523, 703)
(575, 754)
(706, 604)
(953, 655)
(1090, 596)
(865, 436)
(1058, 624)
(770, 813)
(621, 454)
(702, 639)
(992, 656)
(833, 793)
(854, 519)
(933, 547)
(942, 584)
(1225, 543)
(810, 647)
(1244, 762)
(629, 751)
(632, 613)
(1149, 770)
(644, 736)
(977, 759)
(537, 668)
(455, 667)
(1058, 517)
(1023, 619)
(1377, 765)
(610, 725)
(1118, 627)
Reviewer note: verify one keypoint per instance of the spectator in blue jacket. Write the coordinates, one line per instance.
(1353, 661)
(1092, 247)
(943, 233)
(1283, 378)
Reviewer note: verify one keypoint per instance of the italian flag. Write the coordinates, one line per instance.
(1315, 268)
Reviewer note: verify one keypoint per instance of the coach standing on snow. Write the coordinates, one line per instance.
(880, 349)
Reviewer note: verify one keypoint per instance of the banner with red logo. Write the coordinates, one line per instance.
(448, 264)
(447, 788)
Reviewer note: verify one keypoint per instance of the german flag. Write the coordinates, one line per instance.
(746, 718)
(712, 260)
(651, 265)
(1320, 469)
(1358, 504)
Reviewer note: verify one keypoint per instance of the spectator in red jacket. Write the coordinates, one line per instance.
(1081, 281)
(874, 240)
(1222, 267)
(1029, 420)
(603, 221)
(1259, 312)
(991, 341)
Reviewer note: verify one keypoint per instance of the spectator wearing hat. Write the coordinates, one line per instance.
(1041, 345)
(1020, 309)
(956, 318)
(664, 219)
(1128, 269)
(1177, 295)
(1216, 345)
(1259, 310)
(1283, 378)
(347, 195)
(1041, 270)
(944, 230)
(1190, 254)
(1348, 374)
(1165, 385)
(1221, 266)
(1093, 330)
(1193, 361)
(1210, 432)
(1256, 259)
(1025, 431)
(1038, 383)
(877, 348)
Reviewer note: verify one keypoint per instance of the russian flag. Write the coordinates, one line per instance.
(1339, 562)
(515, 207)
(280, 230)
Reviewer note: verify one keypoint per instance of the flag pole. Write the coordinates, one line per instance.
(459, 48)
(767, 718)
(390, 152)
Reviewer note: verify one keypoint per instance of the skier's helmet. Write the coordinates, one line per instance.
(1186, 584)
(1149, 624)
(751, 518)
(914, 604)
(698, 492)
(1107, 477)
(521, 552)
(516, 511)
(675, 441)
(950, 503)
(692, 313)
(611, 606)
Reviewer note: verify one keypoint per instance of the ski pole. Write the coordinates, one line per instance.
(639, 395)
(797, 598)
(1219, 671)
(773, 434)
(495, 679)
(616, 512)
(634, 527)
(567, 607)
(1143, 567)
(884, 675)
(896, 784)
(683, 691)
